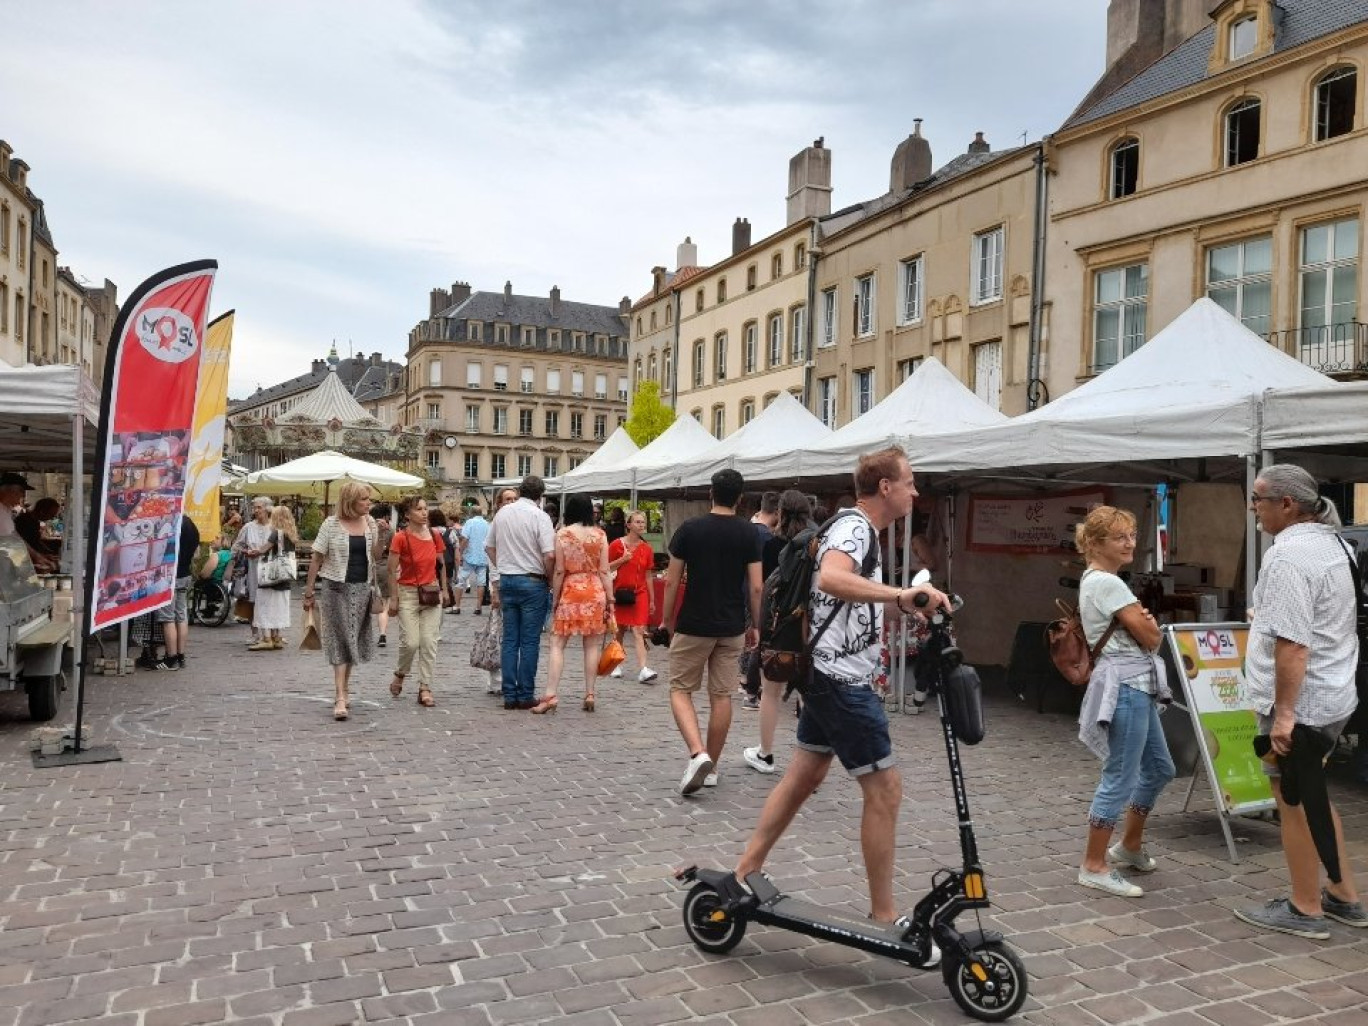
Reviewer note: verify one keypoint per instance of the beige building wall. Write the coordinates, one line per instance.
(43, 304)
(16, 219)
(722, 310)
(1187, 202)
(932, 232)
(75, 322)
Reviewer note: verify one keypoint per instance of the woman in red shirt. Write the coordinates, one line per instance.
(417, 576)
(632, 558)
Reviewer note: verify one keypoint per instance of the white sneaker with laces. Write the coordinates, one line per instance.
(1140, 860)
(710, 780)
(1112, 882)
(698, 768)
(617, 672)
(756, 761)
(647, 675)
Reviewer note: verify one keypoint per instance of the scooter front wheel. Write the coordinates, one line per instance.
(996, 996)
(708, 923)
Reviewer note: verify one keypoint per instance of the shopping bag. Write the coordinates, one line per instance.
(243, 608)
(613, 654)
(487, 650)
(311, 641)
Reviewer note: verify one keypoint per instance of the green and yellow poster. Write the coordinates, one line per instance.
(1211, 659)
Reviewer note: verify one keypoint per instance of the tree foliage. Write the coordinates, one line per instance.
(649, 415)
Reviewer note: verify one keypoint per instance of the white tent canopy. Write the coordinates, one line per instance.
(1325, 415)
(930, 401)
(616, 450)
(682, 440)
(783, 428)
(319, 475)
(1190, 393)
(38, 408)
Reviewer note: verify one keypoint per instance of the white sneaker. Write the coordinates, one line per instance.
(647, 675)
(1112, 883)
(1140, 860)
(756, 761)
(710, 780)
(617, 672)
(699, 767)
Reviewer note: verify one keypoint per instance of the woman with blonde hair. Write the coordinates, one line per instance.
(1120, 718)
(342, 558)
(251, 543)
(631, 559)
(581, 598)
(418, 587)
(271, 614)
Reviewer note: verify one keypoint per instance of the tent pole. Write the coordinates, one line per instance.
(78, 567)
(1252, 535)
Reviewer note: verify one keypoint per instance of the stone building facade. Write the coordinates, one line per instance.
(506, 385)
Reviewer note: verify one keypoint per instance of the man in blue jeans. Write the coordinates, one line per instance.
(843, 715)
(522, 545)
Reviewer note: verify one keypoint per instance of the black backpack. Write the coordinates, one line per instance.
(785, 651)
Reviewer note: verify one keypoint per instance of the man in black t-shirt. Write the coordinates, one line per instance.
(709, 631)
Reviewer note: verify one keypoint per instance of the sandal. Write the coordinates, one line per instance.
(425, 698)
(340, 711)
(397, 685)
(588, 703)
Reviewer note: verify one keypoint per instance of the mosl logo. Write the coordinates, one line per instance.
(167, 334)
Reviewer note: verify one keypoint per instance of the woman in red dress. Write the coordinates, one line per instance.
(581, 597)
(632, 559)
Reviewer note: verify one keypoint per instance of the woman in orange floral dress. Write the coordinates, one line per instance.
(581, 595)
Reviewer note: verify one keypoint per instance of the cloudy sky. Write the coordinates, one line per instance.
(342, 158)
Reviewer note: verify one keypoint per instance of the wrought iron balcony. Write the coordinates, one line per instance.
(1339, 350)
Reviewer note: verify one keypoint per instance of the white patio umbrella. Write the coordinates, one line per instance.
(314, 475)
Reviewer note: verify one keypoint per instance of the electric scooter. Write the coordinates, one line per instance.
(983, 974)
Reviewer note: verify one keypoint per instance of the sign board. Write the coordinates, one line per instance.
(1038, 524)
(1210, 661)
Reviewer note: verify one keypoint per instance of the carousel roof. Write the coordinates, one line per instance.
(328, 402)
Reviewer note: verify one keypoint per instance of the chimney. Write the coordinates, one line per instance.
(741, 235)
(625, 306)
(460, 292)
(439, 300)
(686, 255)
(6, 151)
(911, 161)
(809, 192)
(657, 279)
(377, 360)
(319, 366)
(508, 293)
(980, 144)
(555, 300)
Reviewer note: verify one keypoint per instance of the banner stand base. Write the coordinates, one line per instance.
(97, 753)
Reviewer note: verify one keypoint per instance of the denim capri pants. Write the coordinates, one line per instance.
(1138, 763)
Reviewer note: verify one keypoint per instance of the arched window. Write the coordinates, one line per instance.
(667, 365)
(777, 265)
(749, 348)
(669, 315)
(699, 355)
(720, 356)
(1125, 167)
(750, 278)
(800, 256)
(747, 412)
(721, 290)
(1242, 132)
(1336, 97)
(653, 320)
(638, 325)
(651, 367)
(636, 373)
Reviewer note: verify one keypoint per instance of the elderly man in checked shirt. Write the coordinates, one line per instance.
(1303, 653)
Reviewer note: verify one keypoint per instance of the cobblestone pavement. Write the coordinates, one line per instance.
(250, 860)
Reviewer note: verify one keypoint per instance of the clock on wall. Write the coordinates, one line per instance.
(449, 441)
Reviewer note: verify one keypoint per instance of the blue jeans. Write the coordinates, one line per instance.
(848, 722)
(1138, 763)
(525, 600)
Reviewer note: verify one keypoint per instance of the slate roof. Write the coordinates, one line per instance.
(1187, 64)
(535, 312)
(353, 371)
(959, 166)
(672, 282)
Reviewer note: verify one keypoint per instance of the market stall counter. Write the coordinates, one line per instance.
(31, 642)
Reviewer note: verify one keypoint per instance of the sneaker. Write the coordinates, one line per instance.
(264, 645)
(380, 642)
(710, 780)
(180, 661)
(455, 611)
(165, 664)
(477, 612)
(1279, 915)
(647, 675)
(617, 672)
(751, 702)
(1140, 860)
(1350, 913)
(756, 761)
(1112, 882)
(699, 767)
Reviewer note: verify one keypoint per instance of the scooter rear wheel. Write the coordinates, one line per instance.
(997, 998)
(701, 922)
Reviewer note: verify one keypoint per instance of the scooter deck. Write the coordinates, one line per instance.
(778, 909)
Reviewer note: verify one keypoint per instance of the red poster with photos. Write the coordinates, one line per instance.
(147, 412)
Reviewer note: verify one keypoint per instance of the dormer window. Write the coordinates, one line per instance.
(1243, 38)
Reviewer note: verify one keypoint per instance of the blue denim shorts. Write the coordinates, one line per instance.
(846, 721)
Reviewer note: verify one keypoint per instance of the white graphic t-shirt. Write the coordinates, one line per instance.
(849, 649)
